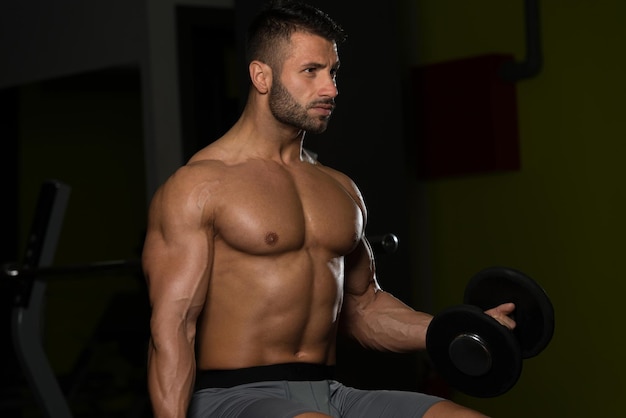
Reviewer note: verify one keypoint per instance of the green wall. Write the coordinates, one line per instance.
(561, 217)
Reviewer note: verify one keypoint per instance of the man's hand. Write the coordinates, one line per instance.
(501, 314)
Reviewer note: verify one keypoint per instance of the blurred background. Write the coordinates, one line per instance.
(469, 170)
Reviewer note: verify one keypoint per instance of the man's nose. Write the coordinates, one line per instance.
(329, 87)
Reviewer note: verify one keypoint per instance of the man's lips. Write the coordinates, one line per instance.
(325, 109)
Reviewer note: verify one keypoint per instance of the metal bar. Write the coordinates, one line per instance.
(27, 311)
(26, 272)
(384, 244)
(533, 61)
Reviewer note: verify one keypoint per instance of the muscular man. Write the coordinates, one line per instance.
(256, 256)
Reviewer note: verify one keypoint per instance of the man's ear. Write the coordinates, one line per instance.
(261, 76)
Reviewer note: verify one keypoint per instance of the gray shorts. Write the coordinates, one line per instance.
(288, 398)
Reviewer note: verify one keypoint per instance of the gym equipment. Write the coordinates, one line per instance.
(30, 282)
(476, 354)
(29, 300)
(384, 244)
(28, 272)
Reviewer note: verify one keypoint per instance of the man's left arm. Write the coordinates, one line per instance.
(373, 317)
(377, 319)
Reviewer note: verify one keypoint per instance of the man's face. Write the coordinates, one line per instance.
(303, 94)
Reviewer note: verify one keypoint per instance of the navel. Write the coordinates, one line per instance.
(271, 238)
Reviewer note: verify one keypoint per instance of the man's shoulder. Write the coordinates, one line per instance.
(339, 176)
(198, 170)
(190, 177)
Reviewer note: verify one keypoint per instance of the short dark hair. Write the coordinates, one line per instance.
(278, 20)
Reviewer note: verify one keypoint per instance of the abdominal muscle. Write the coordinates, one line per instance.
(270, 310)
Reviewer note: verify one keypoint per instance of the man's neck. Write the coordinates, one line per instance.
(265, 136)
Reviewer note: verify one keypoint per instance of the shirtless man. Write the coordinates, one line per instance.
(256, 256)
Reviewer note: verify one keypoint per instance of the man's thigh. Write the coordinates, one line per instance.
(289, 399)
(271, 399)
(356, 403)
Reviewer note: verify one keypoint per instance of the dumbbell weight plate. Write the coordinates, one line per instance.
(473, 352)
(534, 313)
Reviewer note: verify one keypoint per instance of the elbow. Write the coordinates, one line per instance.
(171, 327)
(365, 330)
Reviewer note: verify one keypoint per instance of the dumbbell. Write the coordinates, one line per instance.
(473, 352)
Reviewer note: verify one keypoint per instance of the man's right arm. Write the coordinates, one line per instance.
(176, 262)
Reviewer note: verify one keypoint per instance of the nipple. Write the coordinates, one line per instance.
(271, 238)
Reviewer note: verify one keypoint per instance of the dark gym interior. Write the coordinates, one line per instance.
(109, 97)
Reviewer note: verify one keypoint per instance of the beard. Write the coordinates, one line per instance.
(287, 110)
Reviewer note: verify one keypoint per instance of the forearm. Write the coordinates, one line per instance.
(385, 323)
(171, 374)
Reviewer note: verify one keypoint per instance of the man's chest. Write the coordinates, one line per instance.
(274, 211)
